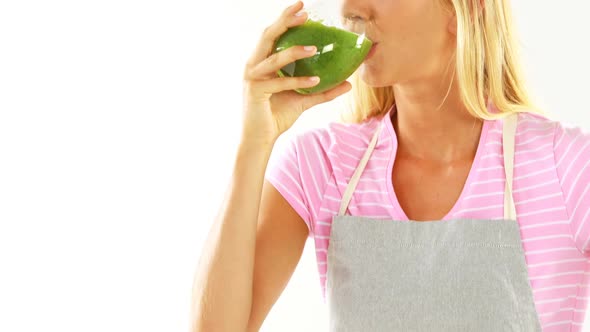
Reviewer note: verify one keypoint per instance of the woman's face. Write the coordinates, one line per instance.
(415, 39)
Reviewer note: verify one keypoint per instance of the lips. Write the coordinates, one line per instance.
(372, 51)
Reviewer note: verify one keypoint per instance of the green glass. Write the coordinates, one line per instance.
(339, 54)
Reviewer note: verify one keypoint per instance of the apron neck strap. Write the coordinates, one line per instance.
(508, 138)
(358, 171)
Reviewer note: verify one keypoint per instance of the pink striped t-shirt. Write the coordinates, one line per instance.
(551, 192)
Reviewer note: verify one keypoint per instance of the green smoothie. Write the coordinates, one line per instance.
(339, 54)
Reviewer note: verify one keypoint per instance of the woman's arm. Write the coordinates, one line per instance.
(280, 241)
(250, 253)
(257, 239)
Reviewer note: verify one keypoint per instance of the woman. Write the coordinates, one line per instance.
(448, 204)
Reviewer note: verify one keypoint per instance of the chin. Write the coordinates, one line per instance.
(372, 77)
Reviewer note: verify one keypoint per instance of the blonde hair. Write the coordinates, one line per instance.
(487, 66)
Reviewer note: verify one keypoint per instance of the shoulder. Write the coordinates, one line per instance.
(566, 145)
(533, 140)
(316, 156)
(542, 134)
(531, 125)
(328, 143)
(572, 151)
(311, 153)
(546, 148)
(304, 161)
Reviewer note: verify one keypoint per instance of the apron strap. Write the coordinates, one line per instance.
(357, 173)
(508, 132)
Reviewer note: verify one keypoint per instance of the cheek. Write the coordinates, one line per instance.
(413, 27)
(414, 41)
(414, 33)
(414, 49)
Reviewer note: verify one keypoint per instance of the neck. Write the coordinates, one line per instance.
(428, 128)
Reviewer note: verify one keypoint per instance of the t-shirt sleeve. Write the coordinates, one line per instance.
(297, 168)
(572, 158)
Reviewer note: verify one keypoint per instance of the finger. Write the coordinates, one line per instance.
(267, 87)
(275, 62)
(285, 21)
(319, 98)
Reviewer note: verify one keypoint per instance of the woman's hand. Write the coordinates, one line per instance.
(270, 104)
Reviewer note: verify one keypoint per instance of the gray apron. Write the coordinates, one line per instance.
(449, 275)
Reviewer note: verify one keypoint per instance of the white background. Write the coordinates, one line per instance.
(118, 125)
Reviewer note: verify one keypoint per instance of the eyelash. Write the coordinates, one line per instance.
(352, 18)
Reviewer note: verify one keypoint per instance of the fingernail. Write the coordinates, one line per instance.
(309, 48)
(300, 13)
(314, 79)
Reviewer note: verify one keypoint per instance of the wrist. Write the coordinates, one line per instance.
(256, 144)
(258, 139)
